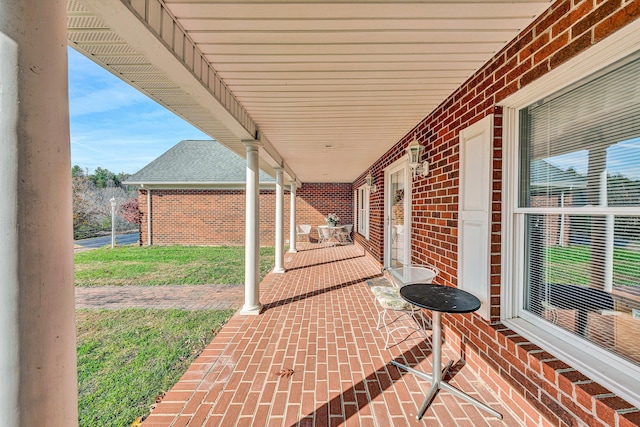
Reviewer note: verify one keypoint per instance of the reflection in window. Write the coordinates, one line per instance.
(580, 202)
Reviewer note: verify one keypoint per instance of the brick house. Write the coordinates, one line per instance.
(557, 188)
(556, 336)
(193, 194)
(518, 355)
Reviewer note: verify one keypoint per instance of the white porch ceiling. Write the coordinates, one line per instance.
(328, 86)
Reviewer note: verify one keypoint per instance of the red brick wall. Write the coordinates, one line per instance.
(217, 217)
(552, 223)
(534, 381)
(314, 201)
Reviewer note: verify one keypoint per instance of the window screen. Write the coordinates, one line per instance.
(580, 199)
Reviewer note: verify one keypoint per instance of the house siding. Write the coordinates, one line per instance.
(217, 217)
(541, 389)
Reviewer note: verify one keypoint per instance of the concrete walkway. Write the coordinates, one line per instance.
(197, 297)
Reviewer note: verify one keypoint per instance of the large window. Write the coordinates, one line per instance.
(578, 212)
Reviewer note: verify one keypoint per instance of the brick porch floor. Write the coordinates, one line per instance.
(319, 320)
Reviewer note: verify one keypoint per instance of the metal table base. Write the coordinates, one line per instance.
(437, 382)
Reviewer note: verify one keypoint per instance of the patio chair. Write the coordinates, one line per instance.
(303, 230)
(324, 234)
(569, 306)
(345, 234)
(394, 307)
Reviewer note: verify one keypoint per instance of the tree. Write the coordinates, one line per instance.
(122, 177)
(76, 171)
(81, 215)
(130, 211)
(103, 178)
(91, 202)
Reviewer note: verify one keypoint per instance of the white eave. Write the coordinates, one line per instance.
(327, 87)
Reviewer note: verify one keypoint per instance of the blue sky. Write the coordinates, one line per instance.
(113, 125)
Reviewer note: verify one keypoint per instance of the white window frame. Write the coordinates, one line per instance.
(363, 213)
(613, 372)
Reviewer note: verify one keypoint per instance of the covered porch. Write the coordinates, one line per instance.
(319, 320)
(318, 93)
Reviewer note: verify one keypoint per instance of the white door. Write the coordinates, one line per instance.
(474, 240)
(398, 215)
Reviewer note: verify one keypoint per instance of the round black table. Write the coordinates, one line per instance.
(440, 299)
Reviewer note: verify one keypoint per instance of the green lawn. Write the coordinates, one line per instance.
(165, 265)
(571, 265)
(127, 357)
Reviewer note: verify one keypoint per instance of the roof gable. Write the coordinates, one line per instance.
(545, 174)
(196, 162)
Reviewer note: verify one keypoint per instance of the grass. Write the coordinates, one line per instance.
(571, 264)
(165, 265)
(127, 357)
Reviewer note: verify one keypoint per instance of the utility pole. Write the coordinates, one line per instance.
(113, 222)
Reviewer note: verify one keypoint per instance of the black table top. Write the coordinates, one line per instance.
(440, 298)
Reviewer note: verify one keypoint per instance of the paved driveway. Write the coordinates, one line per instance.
(98, 242)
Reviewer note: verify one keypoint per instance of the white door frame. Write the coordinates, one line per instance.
(397, 166)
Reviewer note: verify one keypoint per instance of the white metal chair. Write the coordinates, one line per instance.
(345, 234)
(394, 307)
(303, 230)
(324, 234)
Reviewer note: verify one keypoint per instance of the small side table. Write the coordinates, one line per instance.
(409, 274)
(440, 299)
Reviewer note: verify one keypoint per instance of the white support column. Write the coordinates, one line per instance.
(149, 218)
(9, 259)
(37, 308)
(563, 221)
(293, 236)
(252, 305)
(608, 236)
(279, 261)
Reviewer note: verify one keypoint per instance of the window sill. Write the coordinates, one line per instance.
(616, 374)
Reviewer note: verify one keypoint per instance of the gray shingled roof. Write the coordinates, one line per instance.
(196, 161)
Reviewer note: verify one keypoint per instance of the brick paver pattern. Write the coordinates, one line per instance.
(319, 321)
